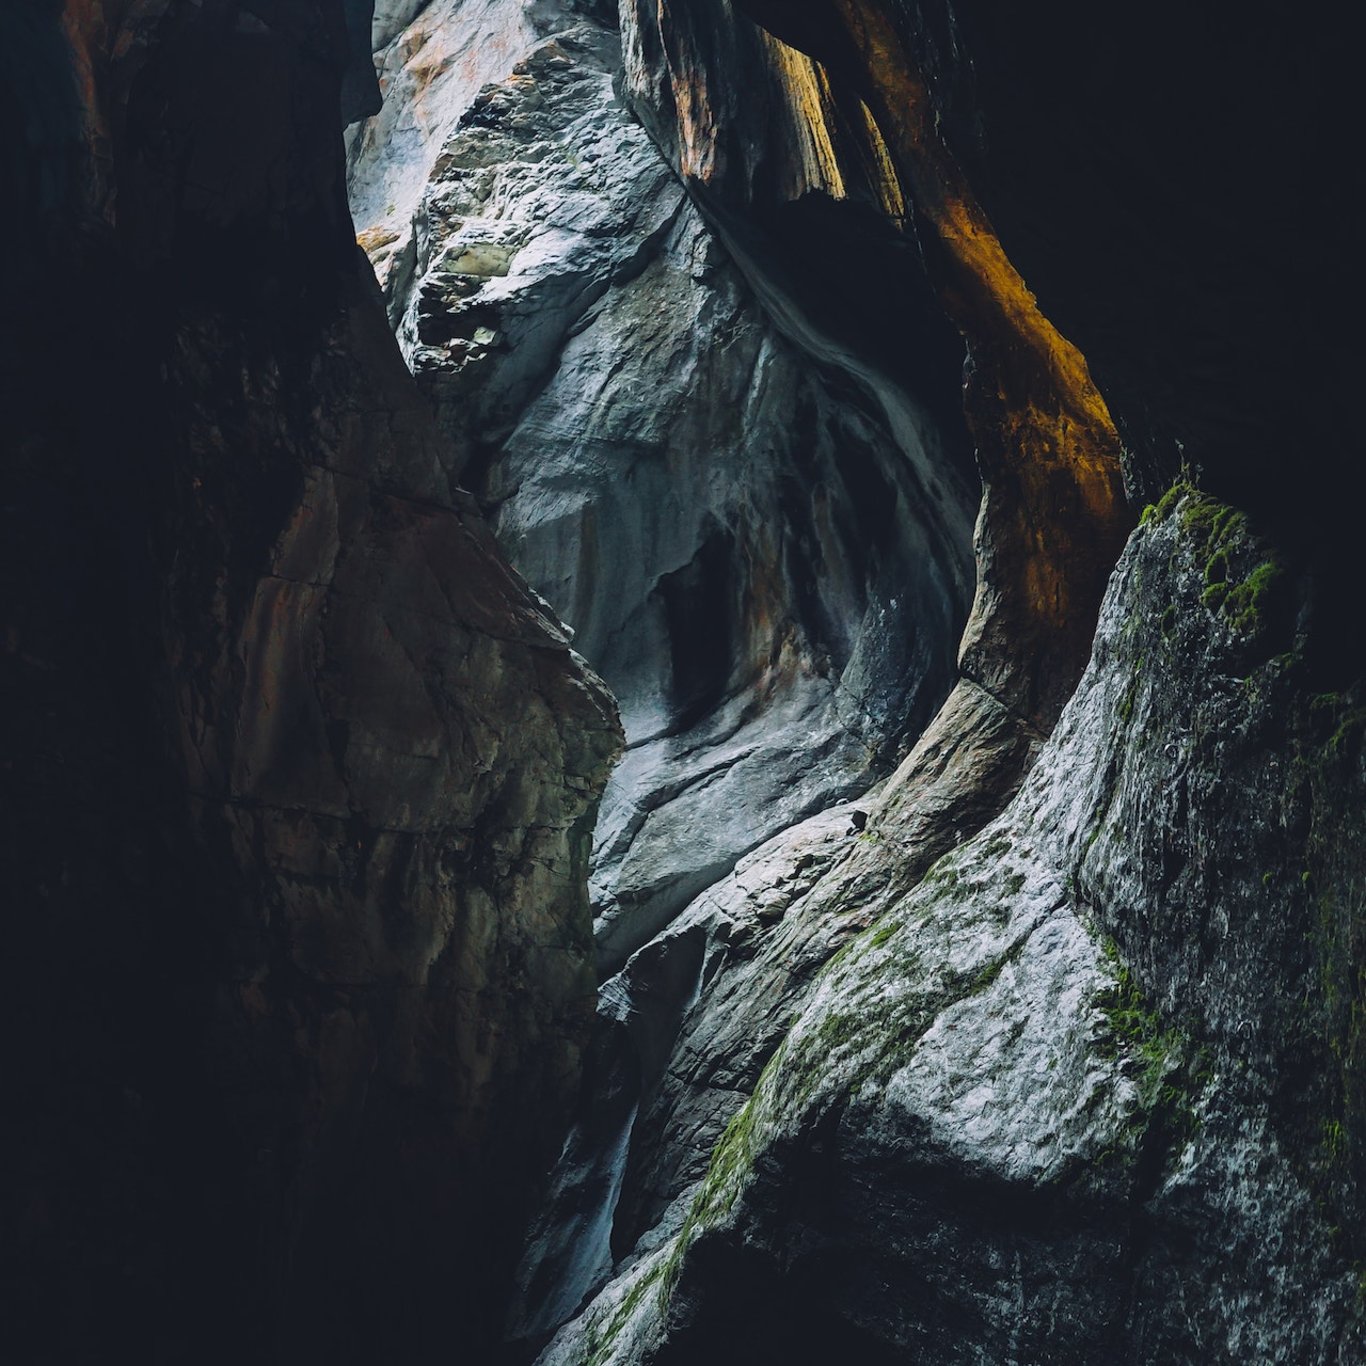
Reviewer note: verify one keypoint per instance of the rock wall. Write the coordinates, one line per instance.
(1084, 1093)
(758, 528)
(940, 1017)
(728, 521)
(306, 776)
(705, 1006)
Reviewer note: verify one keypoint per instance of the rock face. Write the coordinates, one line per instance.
(758, 530)
(730, 518)
(940, 1017)
(984, 1138)
(1211, 337)
(308, 775)
(695, 1015)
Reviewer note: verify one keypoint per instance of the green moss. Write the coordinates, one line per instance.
(1333, 877)
(1162, 509)
(1126, 703)
(1221, 541)
(1138, 1032)
(1209, 521)
(943, 874)
(1348, 729)
(993, 970)
(731, 1157)
(987, 976)
(1334, 1138)
(1213, 596)
(1243, 604)
(884, 931)
(600, 1335)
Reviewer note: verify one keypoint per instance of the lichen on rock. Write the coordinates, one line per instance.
(1027, 1089)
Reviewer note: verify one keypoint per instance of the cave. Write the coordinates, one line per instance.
(683, 683)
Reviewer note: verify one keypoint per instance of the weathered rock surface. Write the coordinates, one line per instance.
(689, 1023)
(730, 526)
(306, 774)
(986, 1140)
(1078, 1160)
(759, 535)
(678, 1048)
(751, 123)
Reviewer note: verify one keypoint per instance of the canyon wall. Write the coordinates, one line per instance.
(925, 704)
(1125, 1125)
(1089, 1091)
(300, 776)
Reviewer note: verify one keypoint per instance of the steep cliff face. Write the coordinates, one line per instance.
(729, 525)
(757, 525)
(940, 1017)
(307, 775)
(860, 119)
(985, 1138)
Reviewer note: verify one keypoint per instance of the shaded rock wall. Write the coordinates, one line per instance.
(757, 524)
(1181, 239)
(790, 171)
(1052, 516)
(300, 777)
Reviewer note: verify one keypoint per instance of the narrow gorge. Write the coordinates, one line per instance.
(684, 683)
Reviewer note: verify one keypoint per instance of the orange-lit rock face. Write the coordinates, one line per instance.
(1053, 516)
(854, 120)
(815, 140)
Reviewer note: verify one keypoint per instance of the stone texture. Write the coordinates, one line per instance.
(687, 1026)
(753, 124)
(760, 539)
(304, 774)
(983, 1138)
(729, 526)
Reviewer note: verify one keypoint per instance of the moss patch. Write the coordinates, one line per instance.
(1239, 583)
(1169, 1070)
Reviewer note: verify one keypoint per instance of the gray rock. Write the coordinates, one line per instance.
(738, 537)
(986, 1139)
(731, 513)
